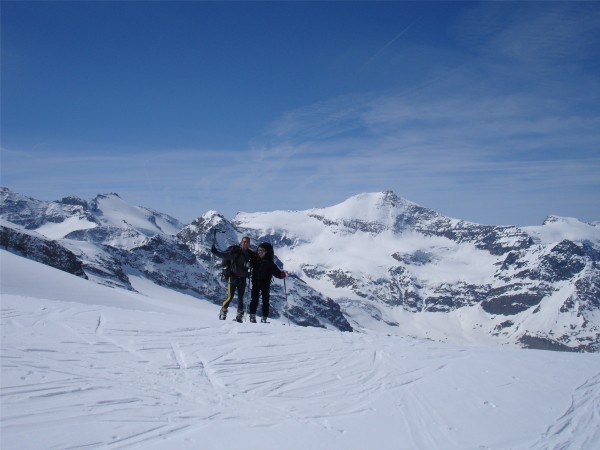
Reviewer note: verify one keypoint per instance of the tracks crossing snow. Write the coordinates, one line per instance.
(89, 376)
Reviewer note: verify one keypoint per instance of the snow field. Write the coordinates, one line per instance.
(87, 366)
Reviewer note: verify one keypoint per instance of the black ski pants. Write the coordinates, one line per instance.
(235, 284)
(260, 288)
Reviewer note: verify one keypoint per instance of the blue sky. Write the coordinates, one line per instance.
(483, 111)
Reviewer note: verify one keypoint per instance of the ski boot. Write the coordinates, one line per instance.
(222, 314)
(239, 316)
(264, 320)
(252, 318)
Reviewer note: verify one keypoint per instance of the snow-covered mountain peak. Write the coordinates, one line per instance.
(375, 207)
(212, 218)
(558, 219)
(108, 195)
(556, 229)
(107, 219)
(112, 210)
(210, 221)
(372, 213)
(212, 226)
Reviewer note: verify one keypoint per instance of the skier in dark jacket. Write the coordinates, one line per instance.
(240, 259)
(263, 270)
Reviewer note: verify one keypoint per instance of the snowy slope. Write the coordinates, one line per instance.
(87, 366)
(115, 211)
(59, 230)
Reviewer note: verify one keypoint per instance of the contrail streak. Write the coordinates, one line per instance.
(382, 49)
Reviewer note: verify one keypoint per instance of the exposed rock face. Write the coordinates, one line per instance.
(40, 249)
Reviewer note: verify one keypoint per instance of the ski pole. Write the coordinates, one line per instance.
(211, 279)
(287, 313)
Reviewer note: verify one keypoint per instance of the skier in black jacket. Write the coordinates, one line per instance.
(240, 259)
(263, 270)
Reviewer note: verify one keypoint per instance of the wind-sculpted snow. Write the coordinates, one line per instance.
(576, 428)
(87, 366)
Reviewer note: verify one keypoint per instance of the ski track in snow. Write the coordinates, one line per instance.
(578, 427)
(85, 376)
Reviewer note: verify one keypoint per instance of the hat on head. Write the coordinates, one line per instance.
(268, 248)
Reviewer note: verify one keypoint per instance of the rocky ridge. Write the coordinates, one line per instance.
(373, 262)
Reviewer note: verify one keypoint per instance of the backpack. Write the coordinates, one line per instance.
(226, 263)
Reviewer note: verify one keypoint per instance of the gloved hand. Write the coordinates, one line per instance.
(283, 275)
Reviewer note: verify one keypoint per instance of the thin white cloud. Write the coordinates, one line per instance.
(539, 34)
(475, 141)
(507, 129)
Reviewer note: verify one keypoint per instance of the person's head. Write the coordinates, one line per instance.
(261, 250)
(245, 243)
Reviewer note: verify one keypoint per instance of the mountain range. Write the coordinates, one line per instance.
(374, 263)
